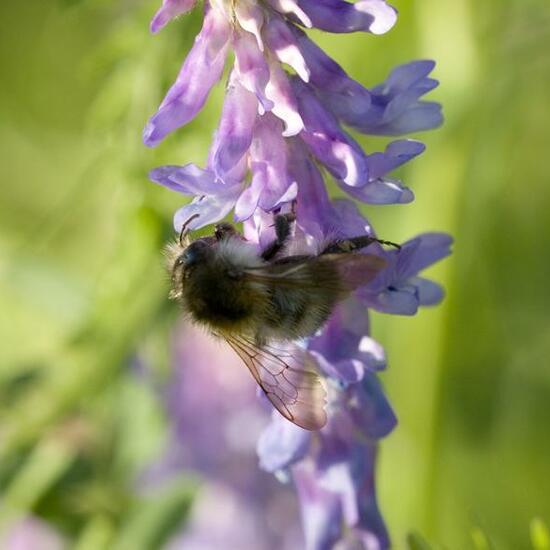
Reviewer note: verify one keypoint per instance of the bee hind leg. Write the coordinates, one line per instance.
(354, 243)
(283, 229)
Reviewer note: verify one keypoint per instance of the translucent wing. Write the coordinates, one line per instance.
(288, 378)
(342, 272)
(355, 270)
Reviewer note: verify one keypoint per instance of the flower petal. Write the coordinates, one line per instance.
(375, 16)
(345, 97)
(251, 68)
(251, 18)
(423, 115)
(282, 444)
(321, 509)
(188, 179)
(380, 191)
(396, 108)
(210, 209)
(360, 506)
(370, 408)
(282, 41)
(249, 198)
(429, 248)
(341, 155)
(291, 7)
(313, 206)
(235, 130)
(202, 68)
(347, 325)
(372, 354)
(268, 162)
(169, 10)
(285, 107)
(396, 154)
(399, 300)
(429, 292)
(405, 77)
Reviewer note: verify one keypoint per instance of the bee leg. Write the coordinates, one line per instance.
(224, 230)
(283, 229)
(354, 243)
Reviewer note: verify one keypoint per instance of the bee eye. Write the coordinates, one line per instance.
(193, 254)
(189, 258)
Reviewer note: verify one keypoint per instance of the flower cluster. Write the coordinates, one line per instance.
(282, 133)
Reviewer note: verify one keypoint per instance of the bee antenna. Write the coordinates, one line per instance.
(184, 229)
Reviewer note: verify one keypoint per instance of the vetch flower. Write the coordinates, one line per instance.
(259, 33)
(284, 132)
(356, 352)
(399, 289)
(335, 479)
(265, 37)
(201, 70)
(396, 108)
(215, 422)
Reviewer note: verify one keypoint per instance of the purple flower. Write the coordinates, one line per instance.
(335, 476)
(374, 16)
(396, 108)
(356, 352)
(259, 35)
(201, 70)
(224, 518)
(30, 533)
(312, 105)
(399, 289)
(215, 421)
(341, 495)
(169, 10)
(280, 136)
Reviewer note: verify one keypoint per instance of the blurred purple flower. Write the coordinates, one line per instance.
(31, 533)
(278, 135)
(222, 517)
(215, 422)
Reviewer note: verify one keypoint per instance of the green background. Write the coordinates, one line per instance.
(82, 287)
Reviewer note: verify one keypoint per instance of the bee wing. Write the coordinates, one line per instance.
(356, 270)
(341, 272)
(288, 378)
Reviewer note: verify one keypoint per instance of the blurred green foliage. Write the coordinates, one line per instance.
(83, 290)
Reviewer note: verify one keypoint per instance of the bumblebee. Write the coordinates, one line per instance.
(262, 302)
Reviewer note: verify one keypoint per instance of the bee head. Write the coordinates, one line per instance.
(196, 253)
(188, 259)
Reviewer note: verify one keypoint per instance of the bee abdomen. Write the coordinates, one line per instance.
(223, 302)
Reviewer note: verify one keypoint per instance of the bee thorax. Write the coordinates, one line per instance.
(297, 311)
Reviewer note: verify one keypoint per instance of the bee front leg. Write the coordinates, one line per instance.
(283, 229)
